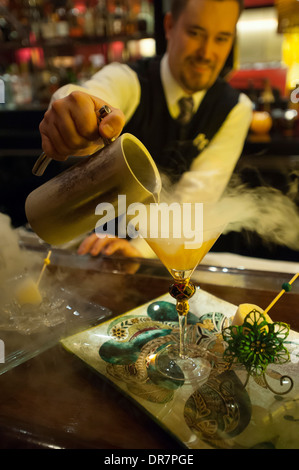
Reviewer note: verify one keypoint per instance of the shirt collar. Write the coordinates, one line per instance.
(172, 90)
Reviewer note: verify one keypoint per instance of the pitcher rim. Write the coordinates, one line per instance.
(131, 137)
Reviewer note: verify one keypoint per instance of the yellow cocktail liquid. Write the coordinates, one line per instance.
(179, 260)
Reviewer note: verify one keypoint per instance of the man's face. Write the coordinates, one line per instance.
(199, 41)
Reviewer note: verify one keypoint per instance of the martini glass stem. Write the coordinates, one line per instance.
(182, 290)
(182, 324)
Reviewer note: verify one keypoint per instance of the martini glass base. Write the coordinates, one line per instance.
(186, 369)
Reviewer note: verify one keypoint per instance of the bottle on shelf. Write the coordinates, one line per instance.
(48, 30)
(7, 100)
(119, 20)
(89, 20)
(252, 93)
(5, 30)
(146, 17)
(35, 16)
(267, 98)
(75, 16)
(133, 10)
(21, 84)
(97, 62)
(62, 25)
(100, 19)
(115, 18)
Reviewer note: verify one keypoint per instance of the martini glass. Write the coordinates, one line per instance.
(181, 252)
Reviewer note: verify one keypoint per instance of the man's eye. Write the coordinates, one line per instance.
(222, 39)
(193, 32)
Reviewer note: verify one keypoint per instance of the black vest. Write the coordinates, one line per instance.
(173, 147)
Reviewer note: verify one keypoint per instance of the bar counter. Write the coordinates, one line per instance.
(54, 401)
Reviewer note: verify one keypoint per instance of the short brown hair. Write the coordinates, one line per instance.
(177, 6)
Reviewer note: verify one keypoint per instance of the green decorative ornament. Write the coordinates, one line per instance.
(256, 344)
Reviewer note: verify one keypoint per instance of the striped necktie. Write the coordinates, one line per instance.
(186, 105)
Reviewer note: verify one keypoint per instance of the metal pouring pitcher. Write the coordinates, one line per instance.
(64, 207)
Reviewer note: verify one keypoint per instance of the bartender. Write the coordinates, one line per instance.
(192, 122)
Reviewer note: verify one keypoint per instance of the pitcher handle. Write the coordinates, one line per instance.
(43, 160)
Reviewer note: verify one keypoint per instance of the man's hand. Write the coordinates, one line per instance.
(70, 126)
(108, 246)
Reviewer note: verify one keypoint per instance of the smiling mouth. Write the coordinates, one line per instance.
(201, 67)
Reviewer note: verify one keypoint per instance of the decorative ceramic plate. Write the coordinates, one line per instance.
(219, 413)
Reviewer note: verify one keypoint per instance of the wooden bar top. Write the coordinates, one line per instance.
(53, 401)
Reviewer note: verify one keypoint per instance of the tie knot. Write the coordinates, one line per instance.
(186, 109)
